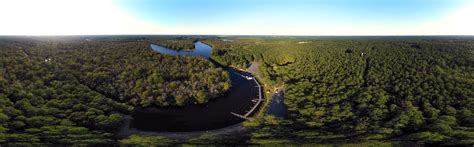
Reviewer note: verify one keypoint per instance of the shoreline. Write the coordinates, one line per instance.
(126, 132)
(128, 129)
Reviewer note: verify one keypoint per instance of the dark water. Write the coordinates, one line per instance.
(277, 107)
(215, 114)
(200, 49)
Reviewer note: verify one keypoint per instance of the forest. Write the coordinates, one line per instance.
(57, 90)
(177, 44)
(404, 88)
(336, 89)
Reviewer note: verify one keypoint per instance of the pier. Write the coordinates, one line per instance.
(259, 99)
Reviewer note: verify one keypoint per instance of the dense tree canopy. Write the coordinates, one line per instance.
(65, 91)
(76, 90)
(177, 44)
(385, 86)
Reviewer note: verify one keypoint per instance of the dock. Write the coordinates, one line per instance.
(259, 100)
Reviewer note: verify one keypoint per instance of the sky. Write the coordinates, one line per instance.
(237, 17)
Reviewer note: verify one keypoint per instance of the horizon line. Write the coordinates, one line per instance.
(57, 35)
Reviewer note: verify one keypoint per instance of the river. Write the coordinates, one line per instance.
(214, 115)
(200, 49)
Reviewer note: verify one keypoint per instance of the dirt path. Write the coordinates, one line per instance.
(254, 68)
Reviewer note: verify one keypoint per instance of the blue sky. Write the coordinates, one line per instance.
(238, 17)
(289, 12)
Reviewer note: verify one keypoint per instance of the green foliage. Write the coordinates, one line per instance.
(3, 118)
(271, 142)
(68, 134)
(427, 137)
(147, 140)
(177, 44)
(268, 127)
(201, 97)
(66, 90)
(381, 86)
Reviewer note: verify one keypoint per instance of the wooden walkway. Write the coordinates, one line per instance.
(260, 99)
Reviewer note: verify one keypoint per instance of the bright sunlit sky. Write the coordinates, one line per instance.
(237, 17)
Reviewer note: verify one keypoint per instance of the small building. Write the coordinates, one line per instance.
(47, 60)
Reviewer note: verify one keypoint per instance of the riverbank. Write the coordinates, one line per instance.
(127, 131)
(269, 91)
(128, 127)
(194, 119)
(237, 128)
